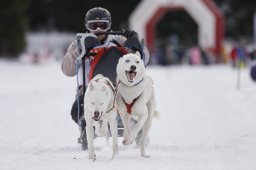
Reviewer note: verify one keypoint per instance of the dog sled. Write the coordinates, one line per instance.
(102, 61)
(105, 62)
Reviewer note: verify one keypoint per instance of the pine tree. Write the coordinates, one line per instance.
(12, 28)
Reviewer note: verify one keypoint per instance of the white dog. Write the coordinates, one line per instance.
(135, 97)
(100, 109)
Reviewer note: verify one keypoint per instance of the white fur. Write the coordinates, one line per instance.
(144, 108)
(99, 97)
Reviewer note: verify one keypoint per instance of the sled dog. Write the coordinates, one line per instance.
(100, 110)
(135, 98)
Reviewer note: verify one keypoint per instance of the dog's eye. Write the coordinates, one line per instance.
(137, 62)
(127, 61)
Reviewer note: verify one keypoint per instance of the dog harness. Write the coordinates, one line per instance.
(129, 106)
(114, 100)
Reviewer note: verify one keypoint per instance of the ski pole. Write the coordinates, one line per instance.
(238, 83)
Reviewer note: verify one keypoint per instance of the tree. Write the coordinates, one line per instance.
(238, 17)
(69, 15)
(13, 26)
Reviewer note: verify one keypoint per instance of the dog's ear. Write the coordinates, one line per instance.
(138, 54)
(120, 59)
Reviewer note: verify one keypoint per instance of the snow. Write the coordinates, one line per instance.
(206, 123)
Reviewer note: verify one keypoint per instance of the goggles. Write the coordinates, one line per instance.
(101, 25)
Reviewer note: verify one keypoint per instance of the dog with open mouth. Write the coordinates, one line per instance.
(100, 111)
(135, 98)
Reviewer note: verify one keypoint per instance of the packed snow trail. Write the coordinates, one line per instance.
(205, 122)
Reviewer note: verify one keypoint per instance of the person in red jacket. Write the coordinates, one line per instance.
(233, 56)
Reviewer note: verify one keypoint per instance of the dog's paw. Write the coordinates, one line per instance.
(92, 156)
(127, 141)
(145, 156)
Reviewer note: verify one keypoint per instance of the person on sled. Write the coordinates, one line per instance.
(97, 20)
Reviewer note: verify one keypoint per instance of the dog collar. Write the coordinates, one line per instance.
(131, 86)
(138, 82)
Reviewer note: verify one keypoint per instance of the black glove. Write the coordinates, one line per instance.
(90, 42)
(134, 45)
(130, 33)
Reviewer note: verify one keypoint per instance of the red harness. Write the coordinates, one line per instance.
(129, 106)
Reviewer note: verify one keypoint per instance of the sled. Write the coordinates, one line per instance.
(104, 62)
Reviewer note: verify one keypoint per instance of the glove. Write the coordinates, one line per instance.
(77, 46)
(133, 44)
(90, 42)
(130, 33)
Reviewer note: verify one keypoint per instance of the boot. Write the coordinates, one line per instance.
(74, 109)
(83, 139)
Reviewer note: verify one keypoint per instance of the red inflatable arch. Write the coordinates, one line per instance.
(204, 12)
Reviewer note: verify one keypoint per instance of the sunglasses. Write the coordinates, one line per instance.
(103, 25)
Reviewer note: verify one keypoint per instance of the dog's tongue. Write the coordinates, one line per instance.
(131, 75)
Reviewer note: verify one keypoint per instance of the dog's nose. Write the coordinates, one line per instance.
(96, 114)
(133, 67)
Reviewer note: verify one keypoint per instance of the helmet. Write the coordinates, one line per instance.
(98, 19)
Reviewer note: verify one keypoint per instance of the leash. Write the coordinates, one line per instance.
(114, 100)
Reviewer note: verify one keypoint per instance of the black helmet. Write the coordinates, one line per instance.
(98, 18)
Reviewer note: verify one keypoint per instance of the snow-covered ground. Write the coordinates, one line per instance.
(205, 122)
